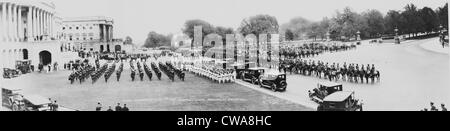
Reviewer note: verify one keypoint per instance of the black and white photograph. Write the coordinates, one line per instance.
(224, 55)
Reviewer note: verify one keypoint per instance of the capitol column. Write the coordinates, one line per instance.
(104, 33)
(3, 22)
(9, 26)
(16, 37)
(29, 23)
(39, 24)
(20, 24)
(13, 25)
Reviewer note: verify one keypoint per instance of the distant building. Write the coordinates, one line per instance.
(90, 34)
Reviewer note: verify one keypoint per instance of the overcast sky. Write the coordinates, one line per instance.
(136, 18)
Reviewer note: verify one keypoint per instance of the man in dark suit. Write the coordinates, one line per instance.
(125, 108)
(118, 108)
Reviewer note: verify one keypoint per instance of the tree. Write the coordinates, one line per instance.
(299, 27)
(442, 14)
(392, 20)
(429, 18)
(190, 25)
(375, 24)
(413, 23)
(128, 40)
(347, 23)
(155, 40)
(259, 24)
(289, 35)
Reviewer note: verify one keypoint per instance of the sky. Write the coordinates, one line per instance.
(136, 18)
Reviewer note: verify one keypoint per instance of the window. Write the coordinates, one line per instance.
(70, 28)
(77, 28)
(64, 28)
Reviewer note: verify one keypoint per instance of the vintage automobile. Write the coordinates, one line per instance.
(39, 103)
(23, 66)
(11, 98)
(10, 73)
(323, 90)
(341, 101)
(252, 74)
(274, 81)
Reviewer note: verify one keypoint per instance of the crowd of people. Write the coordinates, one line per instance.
(357, 73)
(434, 108)
(117, 108)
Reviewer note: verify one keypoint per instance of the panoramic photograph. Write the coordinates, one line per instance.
(224, 55)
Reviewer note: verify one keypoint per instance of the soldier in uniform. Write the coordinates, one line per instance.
(141, 75)
(118, 75)
(443, 107)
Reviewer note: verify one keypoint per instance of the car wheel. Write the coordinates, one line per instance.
(274, 88)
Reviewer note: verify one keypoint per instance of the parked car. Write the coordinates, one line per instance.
(341, 101)
(274, 81)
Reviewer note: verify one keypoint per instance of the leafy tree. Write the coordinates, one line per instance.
(128, 40)
(155, 40)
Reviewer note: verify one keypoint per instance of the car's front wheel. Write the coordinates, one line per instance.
(274, 88)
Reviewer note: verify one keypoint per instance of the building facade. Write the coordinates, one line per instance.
(90, 34)
(27, 32)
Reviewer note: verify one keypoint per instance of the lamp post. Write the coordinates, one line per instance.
(358, 38)
(397, 39)
(328, 36)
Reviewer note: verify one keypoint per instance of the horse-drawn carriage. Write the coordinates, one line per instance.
(341, 101)
(274, 81)
(323, 90)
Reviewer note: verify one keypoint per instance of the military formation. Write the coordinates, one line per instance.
(148, 71)
(109, 72)
(214, 74)
(81, 74)
(313, 49)
(156, 70)
(97, 74)
(357, 73)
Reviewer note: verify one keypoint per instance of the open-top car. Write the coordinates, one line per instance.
(323, 90)
(252, 74)
(341, 101)
(274, 80)
(10, 73)
(24, 66)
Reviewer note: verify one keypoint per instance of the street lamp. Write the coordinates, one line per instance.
(397, 39)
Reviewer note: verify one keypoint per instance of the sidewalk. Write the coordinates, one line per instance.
(435, 46)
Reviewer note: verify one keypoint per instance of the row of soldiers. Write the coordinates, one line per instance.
(312, 49)
(148, 71)
(119, 71)
(176, 70)
(84, 72)
(351, 72)
(167, 71)
(156, 70)
(97, 74)
(109, 72)
(214, 74)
